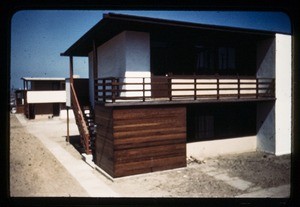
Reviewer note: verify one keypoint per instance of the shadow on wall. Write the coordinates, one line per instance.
(266, 58)
(266, 127)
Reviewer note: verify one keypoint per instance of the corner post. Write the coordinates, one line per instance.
(71, 69)
(95, 60)
(71, 83)
(68, 126)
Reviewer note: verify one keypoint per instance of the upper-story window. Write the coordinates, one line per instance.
(204, 60)
(213, 60)
(226, 58)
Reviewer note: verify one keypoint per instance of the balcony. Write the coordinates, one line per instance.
(182, 89)
(46, 96)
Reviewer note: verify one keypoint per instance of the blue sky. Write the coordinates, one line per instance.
(38, 37)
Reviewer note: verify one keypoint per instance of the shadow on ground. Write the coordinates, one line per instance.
(76, 142)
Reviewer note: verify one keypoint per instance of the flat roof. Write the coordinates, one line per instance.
(42, 79)
(112, 24)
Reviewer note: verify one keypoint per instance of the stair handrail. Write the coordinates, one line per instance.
(79, 114)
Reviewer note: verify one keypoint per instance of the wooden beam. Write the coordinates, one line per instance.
(68, 126)
(71, 69)
(95, 60)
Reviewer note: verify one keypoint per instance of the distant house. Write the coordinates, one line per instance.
(41, 97)
(162, 90)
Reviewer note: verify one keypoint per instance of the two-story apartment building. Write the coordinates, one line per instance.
(41, 97)
(162, 90)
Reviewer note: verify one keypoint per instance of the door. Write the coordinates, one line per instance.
(159, 87)
(56, 109)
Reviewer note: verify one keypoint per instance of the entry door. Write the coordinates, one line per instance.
(56, 109)
(200, 124)
(204, 126)
(159, 87)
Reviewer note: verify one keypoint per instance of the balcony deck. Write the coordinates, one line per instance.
(126, 91)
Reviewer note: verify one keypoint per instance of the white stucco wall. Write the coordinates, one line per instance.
(215, 148)
(283, 106)
(265, 122)
(274, 119)
(125, 55)
(127, 51)
(46, 96)
(137, 49)
(111, 57)
(265, 118)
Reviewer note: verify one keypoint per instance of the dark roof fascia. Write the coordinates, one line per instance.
(42, 79)
(183, 24)
(89, 36)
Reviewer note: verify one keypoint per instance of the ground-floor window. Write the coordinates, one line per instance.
(220, 121)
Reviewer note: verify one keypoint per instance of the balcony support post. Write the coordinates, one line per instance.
(169, 88)
(195, 88)
(257, 85)
(218, 88)
(143, 89)
(104, 90)
(239, 87)
(113, 90)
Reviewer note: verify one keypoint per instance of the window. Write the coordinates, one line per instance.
(226, 58)
(220, 121)
(204, 60)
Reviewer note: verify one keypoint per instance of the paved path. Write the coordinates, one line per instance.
(47, 132)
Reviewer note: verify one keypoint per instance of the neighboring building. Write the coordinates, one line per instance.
(41, 97)
(162, 90)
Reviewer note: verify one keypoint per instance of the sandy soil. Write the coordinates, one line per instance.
(33, 169)
(226, 176)
(36, 172)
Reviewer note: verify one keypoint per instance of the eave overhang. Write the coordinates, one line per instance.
(113, 24)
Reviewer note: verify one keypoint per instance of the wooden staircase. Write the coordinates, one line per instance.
(85, 121)
(89, 118)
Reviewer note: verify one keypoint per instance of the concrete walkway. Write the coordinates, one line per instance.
(48, 132)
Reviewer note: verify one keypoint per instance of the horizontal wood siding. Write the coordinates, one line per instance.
(104, 155)
(148, 139)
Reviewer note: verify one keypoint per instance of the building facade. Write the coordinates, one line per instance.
(42, 97)
(163, 90)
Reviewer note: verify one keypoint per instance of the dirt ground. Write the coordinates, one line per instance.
(34, 171)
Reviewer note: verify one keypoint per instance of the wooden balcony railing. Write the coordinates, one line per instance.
(197, 88)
